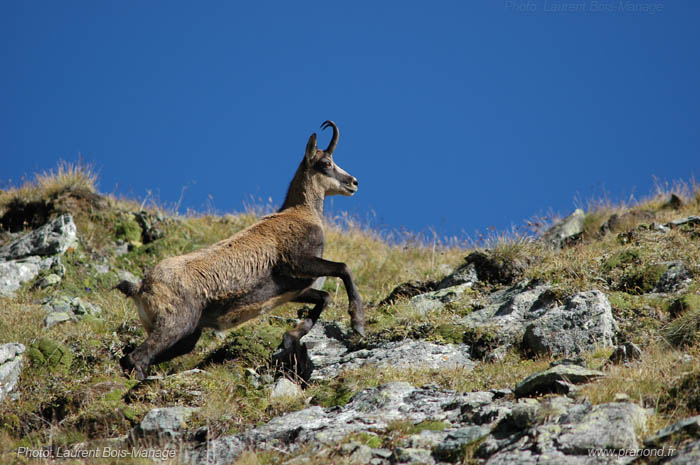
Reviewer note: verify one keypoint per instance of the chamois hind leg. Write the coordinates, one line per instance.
(292, 355)
(170, 337)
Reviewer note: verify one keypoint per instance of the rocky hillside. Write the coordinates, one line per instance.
(580, 346)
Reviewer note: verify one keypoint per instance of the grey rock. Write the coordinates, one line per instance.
(689, 425)
(55, 318)
(329, 350)
(454, 447)
(426, 439)
(504, 317)
(556, 379)
(49, 280)
(676, 278)
(220, 451)
(412, 455)
(10, 367)
(371, 409)
(64, 308)
(101, 268)
(605, 426)
(687, 455)
(53, 238)
(121, 248)
(285, 388)
(465, 274)
(627, 352)
(168, 422)
(151, 226)
(692, 220)
(424, 303)
(571, 226)
(583, 323)
(14, 273)
(356, 452)
(400, 354)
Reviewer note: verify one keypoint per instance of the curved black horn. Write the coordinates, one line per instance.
(334, 139)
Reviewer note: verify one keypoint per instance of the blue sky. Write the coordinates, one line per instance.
(454, 116)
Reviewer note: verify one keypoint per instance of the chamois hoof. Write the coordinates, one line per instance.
(292, 359)
(359, 327)
(131, 369)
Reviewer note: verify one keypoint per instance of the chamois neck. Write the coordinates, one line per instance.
(302, 193)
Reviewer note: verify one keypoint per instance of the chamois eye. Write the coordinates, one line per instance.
(326, 164)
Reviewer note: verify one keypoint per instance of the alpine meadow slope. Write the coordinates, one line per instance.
(578, 345)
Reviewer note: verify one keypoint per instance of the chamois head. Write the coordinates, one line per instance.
(321, 169)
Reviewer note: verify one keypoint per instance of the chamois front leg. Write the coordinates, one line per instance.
(315, 267)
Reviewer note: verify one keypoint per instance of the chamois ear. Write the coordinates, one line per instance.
(310, 149)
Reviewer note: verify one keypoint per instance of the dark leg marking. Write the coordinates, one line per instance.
(315, 267)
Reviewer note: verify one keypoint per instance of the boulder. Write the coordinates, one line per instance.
(566, 231)
(571, 439)
(454, 447)
(14, 273)
(53, 238)
(372, 409)
(285, 388)
(330, 351)
(557, 379)
(676, 277)
(625, 353)
(465, 274)
(10, 367)
(64, 308)
(168, 422)
(429, 301)
(407, 290)
(529, 316)
(584, 322)
(689, 426)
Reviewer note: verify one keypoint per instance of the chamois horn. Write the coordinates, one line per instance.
(334, 139)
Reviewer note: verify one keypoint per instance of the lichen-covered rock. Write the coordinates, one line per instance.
(330, 352)
(570, 227)
(676, 277)
(371, 409)
(10, 367)
(687, 455)
(429, 301)
(64, 308)
(528, 315)
(151, 226)
(220, 451)
(14, 273)
(571, 439)
(285, 388)
(454, 447)
(465, 274)
(690, 425)
(53, 238)
(627, 352)
(168, 422)
(556, 379)
(400, 354)
(583, 323)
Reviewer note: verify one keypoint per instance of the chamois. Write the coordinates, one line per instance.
(273, 261)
